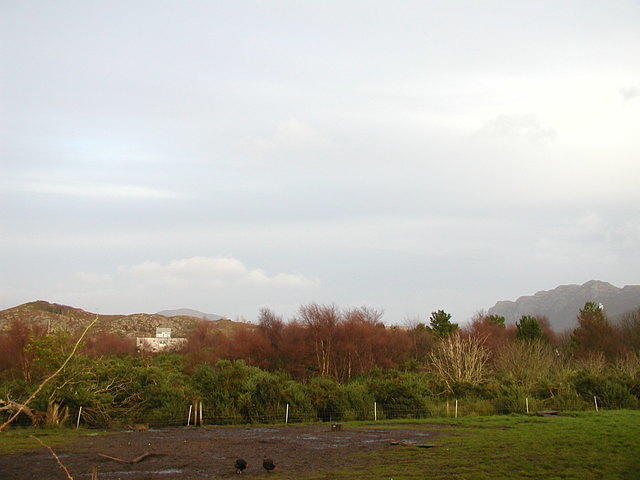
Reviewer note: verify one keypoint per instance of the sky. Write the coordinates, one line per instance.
(230, 155)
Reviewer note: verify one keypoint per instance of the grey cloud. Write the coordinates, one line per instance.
(336, 139)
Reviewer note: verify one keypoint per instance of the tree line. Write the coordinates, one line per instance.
(328, 363)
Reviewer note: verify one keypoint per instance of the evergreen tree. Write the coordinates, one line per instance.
(441, 324)
(528, 328)
(497, 320)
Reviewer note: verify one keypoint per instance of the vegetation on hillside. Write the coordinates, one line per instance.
(54, 318)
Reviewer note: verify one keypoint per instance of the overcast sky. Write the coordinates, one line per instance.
(229, 155)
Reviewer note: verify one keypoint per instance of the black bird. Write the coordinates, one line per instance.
(268, 464)
(241, 464)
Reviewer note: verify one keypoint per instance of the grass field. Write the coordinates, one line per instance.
(20, 439)
(580, 446)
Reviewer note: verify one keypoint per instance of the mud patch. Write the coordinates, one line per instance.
(210, 452)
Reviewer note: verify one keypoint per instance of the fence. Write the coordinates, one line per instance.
(201, 414)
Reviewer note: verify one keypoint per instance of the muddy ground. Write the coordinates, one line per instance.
(209, 452)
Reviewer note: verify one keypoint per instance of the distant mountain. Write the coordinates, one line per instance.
(187, 312)
(561, 304)
(54, 317)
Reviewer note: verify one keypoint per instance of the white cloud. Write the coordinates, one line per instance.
(631, 92)
(293, 135)
(93, 278)
(96, 190)
(212, 271)
(223, 285)
(519, 126)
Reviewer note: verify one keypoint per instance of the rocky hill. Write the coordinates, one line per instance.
(561, 304)
(55, 317)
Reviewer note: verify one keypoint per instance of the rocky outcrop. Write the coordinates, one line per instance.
(561, 304)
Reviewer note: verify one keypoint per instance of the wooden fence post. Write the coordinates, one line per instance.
(189, 416)
(286, 415)
(79, 414)
(527, 402)
(595, 401)
(375, 411)
(456, 408)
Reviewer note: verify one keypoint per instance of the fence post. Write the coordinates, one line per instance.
(189, 416)
(375, 411)
(456, 408)
(79, 414)
(527, 402)
(286, 415)
(447, 408)
(595, 401)
(201, 414)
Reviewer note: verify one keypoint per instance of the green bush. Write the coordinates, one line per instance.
(359, 401)
(327, 398)
(510, 401)
(610, 391)
(399, 394)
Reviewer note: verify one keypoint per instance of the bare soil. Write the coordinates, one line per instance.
(209, 452)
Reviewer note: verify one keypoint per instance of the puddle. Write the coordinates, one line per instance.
(168, 471)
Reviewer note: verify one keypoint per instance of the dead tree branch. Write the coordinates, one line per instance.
(131, 462)
(54, 456)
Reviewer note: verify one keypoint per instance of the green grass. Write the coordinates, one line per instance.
(580, 446)
(18, 440)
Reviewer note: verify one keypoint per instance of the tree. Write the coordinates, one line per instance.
(16, 358)
(322, 324)
(492, 330)
(441, 324)
(421, 340)
(630, 329)
(497, 320)
(528, 328)
(595, 334)
(459, 361)
(525, 363)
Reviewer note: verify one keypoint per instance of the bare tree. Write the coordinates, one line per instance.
(459, 359)
(322, 322)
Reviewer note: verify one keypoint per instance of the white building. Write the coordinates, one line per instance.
(162, 341)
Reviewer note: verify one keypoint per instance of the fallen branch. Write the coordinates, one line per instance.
(130, 462)
(50, 377)
(411, 444)
(35, 416)
(54, 456)
(548, 413)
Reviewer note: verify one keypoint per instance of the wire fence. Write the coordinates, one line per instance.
(199, 413)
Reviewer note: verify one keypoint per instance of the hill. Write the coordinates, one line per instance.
(55, 317)
(561, 304)
(187, 312)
